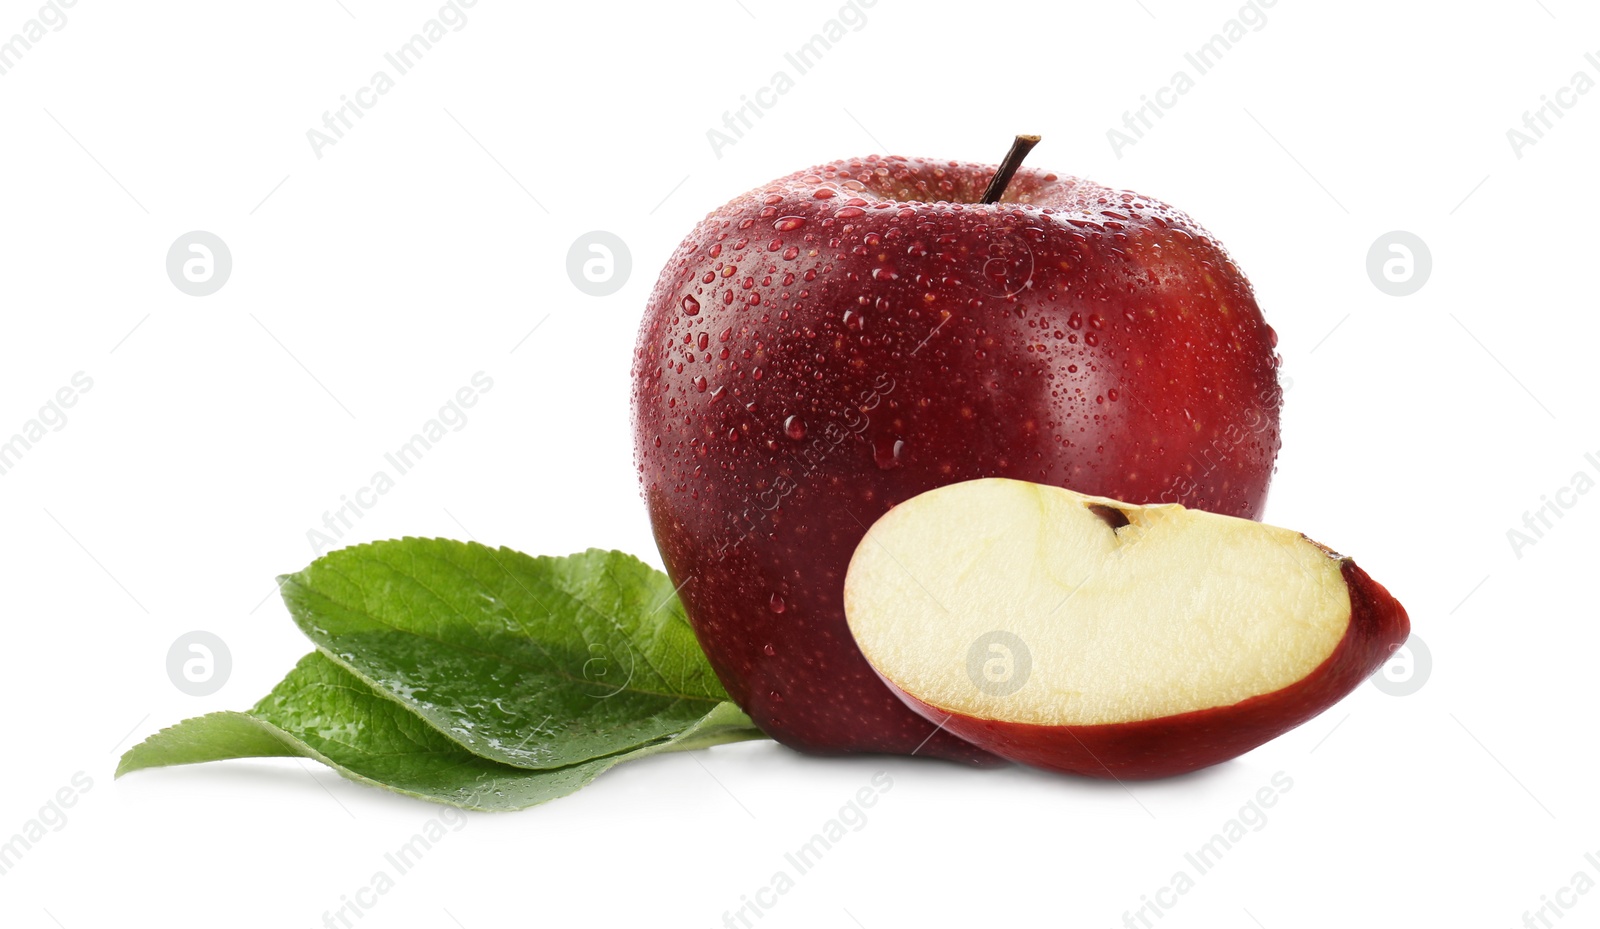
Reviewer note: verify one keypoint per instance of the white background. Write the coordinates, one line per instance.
(371, 283)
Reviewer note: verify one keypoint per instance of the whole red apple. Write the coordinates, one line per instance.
(847, 337)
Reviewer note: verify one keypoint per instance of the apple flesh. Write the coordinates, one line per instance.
(1086, 635)
(845, 338)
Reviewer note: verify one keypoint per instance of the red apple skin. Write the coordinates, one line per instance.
(860, 332)
(1189, 741)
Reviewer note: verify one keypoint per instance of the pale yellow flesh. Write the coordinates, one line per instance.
(1179, 610)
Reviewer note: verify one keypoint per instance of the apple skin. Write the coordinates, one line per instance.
(1186, 742)
(852, 335)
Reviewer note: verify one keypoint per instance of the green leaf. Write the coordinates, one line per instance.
(531, 662)
(323, 712)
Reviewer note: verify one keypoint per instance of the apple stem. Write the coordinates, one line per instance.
(1020, 147)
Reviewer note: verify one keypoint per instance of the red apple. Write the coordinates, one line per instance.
(842, 339)
(1086, 635)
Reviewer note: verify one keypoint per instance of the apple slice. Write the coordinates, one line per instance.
(1091, 636)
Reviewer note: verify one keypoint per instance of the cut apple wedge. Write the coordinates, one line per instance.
(1087, 635)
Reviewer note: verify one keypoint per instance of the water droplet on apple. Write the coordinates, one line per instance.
(888, 452)
(854, 321)
(789, 223)
(776, 604)
(691, 306)
(769, 651)
(700, 384)
(795, 428)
